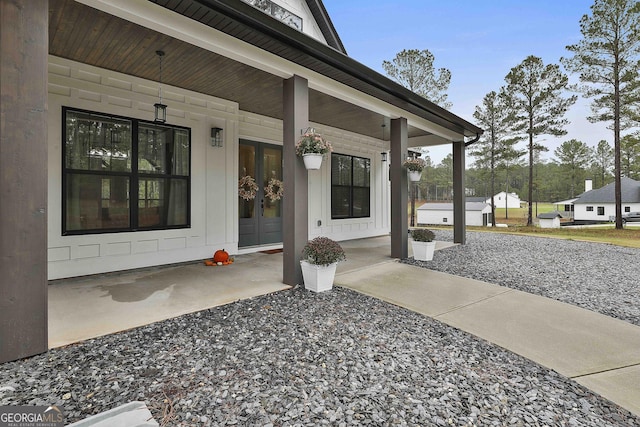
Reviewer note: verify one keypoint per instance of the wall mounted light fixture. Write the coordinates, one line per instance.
(160, 110)
(216, 137)
(384, 156)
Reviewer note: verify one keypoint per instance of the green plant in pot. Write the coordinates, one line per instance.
(422, 235)
(320, 258)
(423, 244)
(312, 147)
(415, 165)
(414, 168)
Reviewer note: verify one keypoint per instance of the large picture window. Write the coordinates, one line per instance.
(122, 174)
(350, 186)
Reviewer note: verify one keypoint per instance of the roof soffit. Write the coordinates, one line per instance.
(86, 34)
(246, 23)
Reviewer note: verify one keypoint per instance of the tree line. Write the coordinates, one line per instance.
(534, 102)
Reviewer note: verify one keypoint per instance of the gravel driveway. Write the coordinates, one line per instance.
(304, 359)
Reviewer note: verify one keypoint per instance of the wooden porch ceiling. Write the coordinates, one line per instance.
(84, 34)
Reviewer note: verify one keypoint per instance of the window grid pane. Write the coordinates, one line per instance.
(97, 143)
(118, 198)
(97, 202)
(350, 187)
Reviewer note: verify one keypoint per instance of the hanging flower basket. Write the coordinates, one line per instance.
(414, 176)
(312, 161)
(414, 168)
(247, 188)
(312, 147)
(274, 190)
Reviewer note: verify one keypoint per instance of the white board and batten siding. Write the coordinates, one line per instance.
(214, 174)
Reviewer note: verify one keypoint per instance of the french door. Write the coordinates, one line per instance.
(261, 216)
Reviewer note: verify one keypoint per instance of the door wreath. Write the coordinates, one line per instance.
(274, 190)
(247, 188)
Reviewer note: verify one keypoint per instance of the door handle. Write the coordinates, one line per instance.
(262, 207)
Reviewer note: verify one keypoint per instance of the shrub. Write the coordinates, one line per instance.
(422, 235)
(323, 251)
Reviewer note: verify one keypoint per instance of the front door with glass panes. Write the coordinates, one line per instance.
(260, 193)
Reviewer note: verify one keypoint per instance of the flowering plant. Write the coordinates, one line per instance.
(312, 142)
(422, 235)
(415, 164)
(247, 188)
(323, 251)
(274, 190)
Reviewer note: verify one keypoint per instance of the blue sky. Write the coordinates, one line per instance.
(479, 41)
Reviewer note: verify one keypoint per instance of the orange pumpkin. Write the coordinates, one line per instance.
(220, 256)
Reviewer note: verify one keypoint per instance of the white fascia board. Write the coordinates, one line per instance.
(428, 141)
(157, 18)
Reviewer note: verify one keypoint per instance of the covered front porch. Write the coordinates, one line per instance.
(92, 306)
(227, 66)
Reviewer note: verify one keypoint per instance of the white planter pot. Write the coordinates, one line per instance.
(423, 251)
(318, 278)
(414, 176)
(312, 160)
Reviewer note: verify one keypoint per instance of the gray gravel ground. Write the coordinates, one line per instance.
(305, 359)
(596, 276)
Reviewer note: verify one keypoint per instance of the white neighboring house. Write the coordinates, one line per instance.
(476, 213)
(504, 199)
(600, 205)
(565, 207)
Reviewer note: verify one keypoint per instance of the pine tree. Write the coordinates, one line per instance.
(575, 156)
(414, 70)
(535, 94)
(602, 161)
(607, 61)
(493, 116)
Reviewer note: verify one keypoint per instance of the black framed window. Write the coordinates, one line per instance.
(350, 186)
(600, 210)
(589, 208)
(122, 174)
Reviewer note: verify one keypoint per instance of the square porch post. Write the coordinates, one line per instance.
(24, 47)
(459, 198)
(399, 189)
(295, 178)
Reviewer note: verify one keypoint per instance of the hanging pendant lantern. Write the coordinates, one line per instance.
(160, 110)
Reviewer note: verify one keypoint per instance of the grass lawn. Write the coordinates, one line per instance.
(519, 216)
(629, 237)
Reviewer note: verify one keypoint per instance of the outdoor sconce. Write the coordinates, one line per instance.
(216, 137)
(384, 156)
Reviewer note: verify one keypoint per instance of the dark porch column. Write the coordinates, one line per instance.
(23, 178)
(296, 206)
(399, 192)
(459, 220)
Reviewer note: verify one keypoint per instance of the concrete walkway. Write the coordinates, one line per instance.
(597, 351)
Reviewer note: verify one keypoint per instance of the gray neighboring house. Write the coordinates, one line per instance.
(599, 205)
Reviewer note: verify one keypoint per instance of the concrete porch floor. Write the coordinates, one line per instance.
(88, 307)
